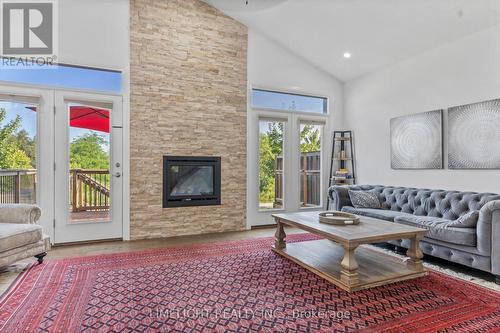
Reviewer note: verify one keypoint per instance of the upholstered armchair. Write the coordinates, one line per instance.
(21, 236)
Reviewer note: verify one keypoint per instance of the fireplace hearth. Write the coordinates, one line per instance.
(191, 181)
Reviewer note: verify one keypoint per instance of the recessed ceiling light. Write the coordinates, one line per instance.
(347, 55)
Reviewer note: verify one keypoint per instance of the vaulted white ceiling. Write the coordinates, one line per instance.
(377, 33)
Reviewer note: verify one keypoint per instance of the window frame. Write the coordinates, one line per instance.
(266, 117)
(289, 92)
(291, 155)
(308, 121)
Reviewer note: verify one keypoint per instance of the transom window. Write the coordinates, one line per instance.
(64, 76)
(267, 99)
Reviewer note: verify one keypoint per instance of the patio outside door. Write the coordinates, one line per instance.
(26, 149)
(88, 167)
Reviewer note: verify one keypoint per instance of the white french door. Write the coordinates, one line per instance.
(23, 178)
(88, 167)
(67, 159)
(286, 163)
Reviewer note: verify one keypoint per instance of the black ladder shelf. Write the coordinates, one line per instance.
(342, 163)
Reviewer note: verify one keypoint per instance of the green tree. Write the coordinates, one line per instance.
(11, 154)
(26, 144)
(270, 147)
(86, 152)
(310, 140)
(275, 134)
(266, 169)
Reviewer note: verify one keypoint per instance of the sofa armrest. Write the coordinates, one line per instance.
(488, 233)
(19, 213)
(339, 196)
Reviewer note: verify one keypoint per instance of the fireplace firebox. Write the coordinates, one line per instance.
(191, 181)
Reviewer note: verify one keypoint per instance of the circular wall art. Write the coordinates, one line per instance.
(474, 136)
(417, 141)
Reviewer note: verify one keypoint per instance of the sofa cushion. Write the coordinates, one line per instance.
(383, 214)
(13, 235)
(364, 199)
(468, 220)
(438, 229)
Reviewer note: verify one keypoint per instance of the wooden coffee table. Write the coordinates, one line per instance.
(340, 259)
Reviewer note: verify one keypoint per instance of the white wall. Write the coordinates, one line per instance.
(94, 33)
(273, 67)
(270, 66)
(461, 72)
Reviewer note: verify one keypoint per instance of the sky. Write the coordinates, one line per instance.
(28, 117)
(63, 76)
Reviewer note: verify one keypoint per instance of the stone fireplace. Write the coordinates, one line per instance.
(186, 99)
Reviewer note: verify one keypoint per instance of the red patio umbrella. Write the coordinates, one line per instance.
(87, 117)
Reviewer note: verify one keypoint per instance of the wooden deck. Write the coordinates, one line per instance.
(89, 192)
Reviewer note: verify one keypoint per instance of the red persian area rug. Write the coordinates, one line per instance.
(239, 286)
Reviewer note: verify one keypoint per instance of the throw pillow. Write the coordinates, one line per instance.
(364, 199)
(468, 220)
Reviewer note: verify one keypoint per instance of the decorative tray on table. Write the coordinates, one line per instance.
(338, 218)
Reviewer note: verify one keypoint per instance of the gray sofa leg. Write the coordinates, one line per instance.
(40, 256)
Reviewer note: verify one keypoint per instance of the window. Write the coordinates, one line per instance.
(310, 165)
(89, 152)
(18, 151)
(266, 99)
(271, 164)
(63, 76)
(286, 154)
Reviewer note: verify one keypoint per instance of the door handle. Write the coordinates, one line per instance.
(117, 175)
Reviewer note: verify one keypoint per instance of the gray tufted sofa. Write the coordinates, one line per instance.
(477, 247)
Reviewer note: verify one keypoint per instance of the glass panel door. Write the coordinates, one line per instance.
(271, 166)
(26, 149)
(89, 159)
(18, 150)
(286, 161)
(88, 167)
(310, 165)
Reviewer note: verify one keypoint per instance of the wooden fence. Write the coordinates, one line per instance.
(310, 179)
(88, 189)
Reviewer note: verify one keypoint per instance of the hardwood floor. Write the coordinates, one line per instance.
(9, 274)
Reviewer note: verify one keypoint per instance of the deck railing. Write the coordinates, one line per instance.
(18, 186)
(310, 179)
(88, 189)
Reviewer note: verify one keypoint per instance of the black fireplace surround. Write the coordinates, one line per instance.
(191, 181)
